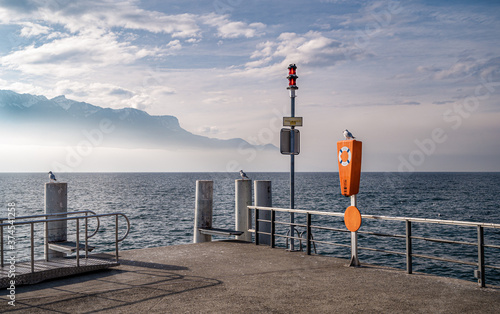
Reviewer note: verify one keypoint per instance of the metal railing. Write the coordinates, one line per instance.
(15, 222)
(480, 244)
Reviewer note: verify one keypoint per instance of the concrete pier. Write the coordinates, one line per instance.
(240, 277)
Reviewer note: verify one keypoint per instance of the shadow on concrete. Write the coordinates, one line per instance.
(108, 290)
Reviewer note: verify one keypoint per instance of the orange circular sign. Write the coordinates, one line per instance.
(352, 218)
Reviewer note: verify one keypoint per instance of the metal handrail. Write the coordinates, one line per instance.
(479, 273)
(77, 219)
(72, 218)
(55, 214)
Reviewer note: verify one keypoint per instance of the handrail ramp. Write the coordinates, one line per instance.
(37, 270)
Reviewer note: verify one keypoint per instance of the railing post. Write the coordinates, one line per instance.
(354, 239)
(273, 228)
(86, 236)
(1, 241)
(308, 231)
(32, 247)
(256, 226)
(409, 268)
(78, 242)
(116, 238)
(480, 257)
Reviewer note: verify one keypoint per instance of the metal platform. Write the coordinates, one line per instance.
(55, 268)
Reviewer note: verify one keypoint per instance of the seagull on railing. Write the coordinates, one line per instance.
(348, 135)
(52, 177)
(243, 175)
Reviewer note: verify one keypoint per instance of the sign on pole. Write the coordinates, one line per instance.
(286, 142)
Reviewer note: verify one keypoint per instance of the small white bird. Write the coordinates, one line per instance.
(52, 177)
(243, 175)
(348, 135)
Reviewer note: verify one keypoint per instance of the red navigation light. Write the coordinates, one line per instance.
(292, 77)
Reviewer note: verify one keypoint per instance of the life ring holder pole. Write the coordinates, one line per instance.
(354, 240)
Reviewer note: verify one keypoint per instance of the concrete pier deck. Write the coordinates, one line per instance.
(238, 277)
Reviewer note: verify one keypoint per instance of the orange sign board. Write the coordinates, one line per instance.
(349, 161)
(352, 218)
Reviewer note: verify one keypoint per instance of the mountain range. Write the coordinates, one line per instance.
(61, 121)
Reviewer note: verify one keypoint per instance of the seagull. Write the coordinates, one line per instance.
(348, 135)
(52, 177)
(243, 175)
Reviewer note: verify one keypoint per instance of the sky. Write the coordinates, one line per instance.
(418, 82)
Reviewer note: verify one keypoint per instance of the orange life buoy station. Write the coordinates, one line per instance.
(349, 157)
(349, 161)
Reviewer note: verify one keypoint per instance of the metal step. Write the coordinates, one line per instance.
(221, 232)
(68, 247)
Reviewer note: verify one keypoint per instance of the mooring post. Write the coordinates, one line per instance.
(56, 201)
(354, 239)
(242, 199)
(203, 210)
(263, 197)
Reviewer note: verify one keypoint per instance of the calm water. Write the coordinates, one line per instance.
(161, 209)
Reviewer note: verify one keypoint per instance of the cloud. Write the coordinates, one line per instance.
(32, 29)
(230, 29)
(312, 48)
(74, 55)
(465, 67)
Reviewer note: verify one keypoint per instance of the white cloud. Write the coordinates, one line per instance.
(74, 55)
(230, 29)
(32, 29)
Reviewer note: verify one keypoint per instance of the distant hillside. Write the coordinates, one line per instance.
(63, 121)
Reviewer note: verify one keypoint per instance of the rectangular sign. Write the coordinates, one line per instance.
(292, 121)
(286, 142)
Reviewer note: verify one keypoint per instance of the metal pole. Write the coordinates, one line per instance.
(354, 239)
(292, 171)
(78, 242)
(32, 248)
(480, 256)
(1, 241)
(116, 238)
(409, 266)
(308, 243)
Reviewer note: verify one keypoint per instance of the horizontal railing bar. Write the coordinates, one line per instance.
(444, 259)
(444, 241)
(423, 220)
(331, 243)
(328, 228)
(52, 214)
(491, 266)
(72, 218)
(380, 250)
(382, 234)
(288, 237)
(492, 246)
(289, 224)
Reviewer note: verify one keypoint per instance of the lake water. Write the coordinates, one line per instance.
(160, 207)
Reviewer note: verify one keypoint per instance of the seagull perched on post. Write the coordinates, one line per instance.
(52, 177)
(243, 175)
(348, 135)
